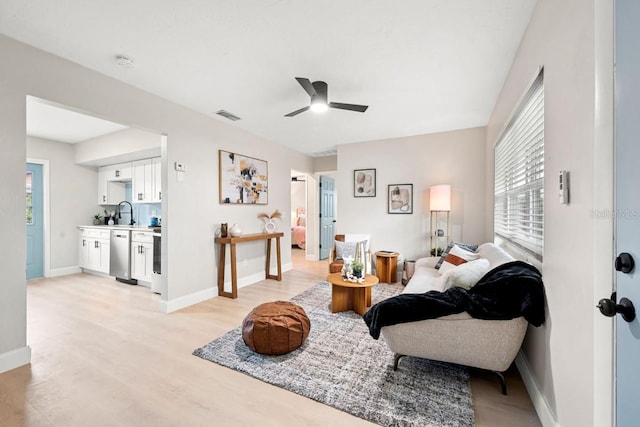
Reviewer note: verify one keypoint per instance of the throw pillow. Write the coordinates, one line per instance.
(467, 246)
(466, 275)
(456, 256)
(345, 249)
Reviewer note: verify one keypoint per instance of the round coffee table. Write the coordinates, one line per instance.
(347, 296)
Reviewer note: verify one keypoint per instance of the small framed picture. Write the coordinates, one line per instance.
(364, 183)
(400, 199)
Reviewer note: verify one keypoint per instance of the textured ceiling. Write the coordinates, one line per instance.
(422, 66)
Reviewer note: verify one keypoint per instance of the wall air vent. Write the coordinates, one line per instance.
(228, 115)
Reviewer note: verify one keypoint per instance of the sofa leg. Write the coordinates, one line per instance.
(503, 381)
(396, 360)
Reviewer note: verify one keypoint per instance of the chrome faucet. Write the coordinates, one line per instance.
(131, 222)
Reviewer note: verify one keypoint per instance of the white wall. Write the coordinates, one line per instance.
(455, 158)
(558, 358)
(118, 147)
(72, 198)
(191, 210)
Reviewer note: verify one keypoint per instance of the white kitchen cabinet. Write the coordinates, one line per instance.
(142, 182)
(118, 172)
(109, 192)
(157, 180)
(142, 256)
(94, 250)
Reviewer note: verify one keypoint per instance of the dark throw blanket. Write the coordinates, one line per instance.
(508, 291)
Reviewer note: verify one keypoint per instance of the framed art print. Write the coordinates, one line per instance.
(364, 183)
(400, 199)
(243, 179)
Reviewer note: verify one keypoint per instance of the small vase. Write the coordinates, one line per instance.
(357, 273)
(235, 230)
(269, 226)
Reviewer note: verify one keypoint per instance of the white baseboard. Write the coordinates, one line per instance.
(55, 272)
(546, 415)
(187, 300)
(196, 297)
(15, 358)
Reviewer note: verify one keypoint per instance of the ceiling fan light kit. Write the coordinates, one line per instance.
(319, 100)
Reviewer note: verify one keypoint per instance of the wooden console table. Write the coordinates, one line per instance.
(234, 272)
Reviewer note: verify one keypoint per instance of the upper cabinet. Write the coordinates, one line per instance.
(146, 183)
(144, 176)
(110, 192)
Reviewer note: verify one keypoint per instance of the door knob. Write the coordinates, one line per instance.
(624, 262)
(609, 308)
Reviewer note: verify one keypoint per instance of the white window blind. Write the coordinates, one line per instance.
(519, 176)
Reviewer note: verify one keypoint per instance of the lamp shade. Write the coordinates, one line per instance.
(440, 198)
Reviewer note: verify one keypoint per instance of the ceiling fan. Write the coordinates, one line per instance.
(318, 93)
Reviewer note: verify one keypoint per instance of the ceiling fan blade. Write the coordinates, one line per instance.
(306, 85)
(295, 113)
(351, 107)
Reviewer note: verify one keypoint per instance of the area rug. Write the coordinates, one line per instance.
(340, 365)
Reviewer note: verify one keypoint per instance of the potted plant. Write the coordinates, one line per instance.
(437, 251)
(357, 267)
(97, 219)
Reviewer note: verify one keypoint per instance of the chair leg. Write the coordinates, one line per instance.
(396, 360)
(503, 381)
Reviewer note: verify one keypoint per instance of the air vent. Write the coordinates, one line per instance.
(228, 115)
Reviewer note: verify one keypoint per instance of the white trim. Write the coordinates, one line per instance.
(15, 358)
(46, 213)
(546, 415)
(170, 306)
(64, 271)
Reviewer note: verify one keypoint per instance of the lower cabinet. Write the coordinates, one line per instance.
(142, 256)
(94, 250)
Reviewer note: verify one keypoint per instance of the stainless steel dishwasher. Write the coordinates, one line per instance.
(120, 256)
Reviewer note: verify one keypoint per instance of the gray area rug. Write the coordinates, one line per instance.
(340, 365)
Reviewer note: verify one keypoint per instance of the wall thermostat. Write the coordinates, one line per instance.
(563, 186)
(180, 167)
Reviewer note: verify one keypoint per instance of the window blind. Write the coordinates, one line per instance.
(519, 176)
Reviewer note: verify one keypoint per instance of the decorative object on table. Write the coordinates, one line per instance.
(400, 199)
(389, 397)
(224, 229)
(269, 223)
(439, 207)
(275, 328)
(357, 268)
(235, 230)
(97, 219)
(364, 183)
(242, 179)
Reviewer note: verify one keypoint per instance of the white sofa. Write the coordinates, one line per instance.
(457, 338)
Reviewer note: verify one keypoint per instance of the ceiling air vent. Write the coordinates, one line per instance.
(228, 115)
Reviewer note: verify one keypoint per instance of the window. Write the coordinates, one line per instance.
(29, 199)
(519, 177)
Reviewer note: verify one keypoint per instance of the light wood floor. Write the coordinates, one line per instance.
(102, 355)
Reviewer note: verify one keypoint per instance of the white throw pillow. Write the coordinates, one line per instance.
(466, 275)
(457, 256)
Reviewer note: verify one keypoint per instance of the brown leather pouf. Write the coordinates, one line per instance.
(275, 328)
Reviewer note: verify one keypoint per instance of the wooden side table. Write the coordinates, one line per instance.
(347, 296)
(387, 266)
